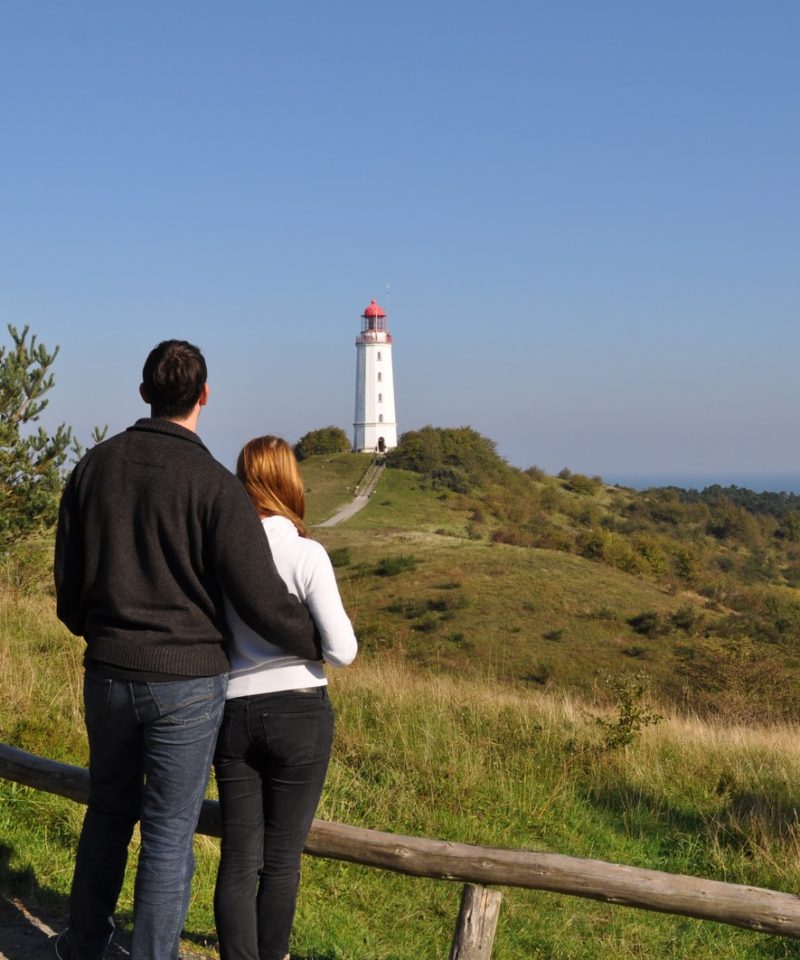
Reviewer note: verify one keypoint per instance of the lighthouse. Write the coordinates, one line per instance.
(374, 427)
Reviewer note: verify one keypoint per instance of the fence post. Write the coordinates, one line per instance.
(477, 922)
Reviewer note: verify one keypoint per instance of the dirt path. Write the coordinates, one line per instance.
(358, 502)
(24, 936)
(28, 935)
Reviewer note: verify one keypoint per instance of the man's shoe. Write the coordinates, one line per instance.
(62, 948)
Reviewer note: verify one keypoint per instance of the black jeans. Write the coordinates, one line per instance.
(271, 759)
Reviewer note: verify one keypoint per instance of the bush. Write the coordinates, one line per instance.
(536, 473)
(513, 536)
(410, 609)
(630, 693)
(635, 652)
(737, 679)
(594, 543)
(653, 554)
(542, 674)
(340, 556)
(581, 484)
(324, 440)
(450, 478)
(457, 458)
(391, 566)
(686, 619)
(648, 624)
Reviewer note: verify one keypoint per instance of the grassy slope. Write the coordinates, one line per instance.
(536, 616)
(434, 752)
(330, 482)
(464, 760)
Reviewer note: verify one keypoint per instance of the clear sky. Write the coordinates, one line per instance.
(588, 213)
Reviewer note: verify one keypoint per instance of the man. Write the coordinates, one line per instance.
(152, 531)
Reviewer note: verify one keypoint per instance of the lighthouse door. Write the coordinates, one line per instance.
(381, 445)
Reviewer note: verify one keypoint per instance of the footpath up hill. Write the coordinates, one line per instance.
(464, 563)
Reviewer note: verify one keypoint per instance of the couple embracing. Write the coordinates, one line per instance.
(205, 634)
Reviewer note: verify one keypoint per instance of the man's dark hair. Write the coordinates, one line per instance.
(173, 378)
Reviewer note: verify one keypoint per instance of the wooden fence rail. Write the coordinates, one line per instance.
(754, 908)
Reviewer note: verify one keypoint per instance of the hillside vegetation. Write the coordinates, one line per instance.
(457, 758)
(546, 663)
(463, 562)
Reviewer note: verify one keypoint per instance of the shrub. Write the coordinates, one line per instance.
(340, 556)
(554, 539)
(648, 624)
(324, 440)
(686, 564)
(637, 653)
(602, 613)
(581, 484)
(685, 619)
(792, 575)
(542, 674)
(653, 554)
(630, 693)
(454, 457)
(450, 478)
(410, 609)
(619, 553)
(391, 566)
(594, 543)
(515, 536)
(536, 473)
(449, 602)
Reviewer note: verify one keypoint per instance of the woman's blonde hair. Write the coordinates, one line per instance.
(268, 469)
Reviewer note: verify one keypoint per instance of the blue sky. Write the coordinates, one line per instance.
(588, 213)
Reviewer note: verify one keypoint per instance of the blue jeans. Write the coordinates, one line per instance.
(150, 749)
(271, 760)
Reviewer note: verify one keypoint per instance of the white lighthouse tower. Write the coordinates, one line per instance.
(375, 427)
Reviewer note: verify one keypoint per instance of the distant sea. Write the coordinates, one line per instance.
(759, 482)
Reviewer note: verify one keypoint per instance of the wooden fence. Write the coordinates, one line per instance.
(754, 908)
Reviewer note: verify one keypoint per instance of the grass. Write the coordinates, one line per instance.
(330, 482)
(467, 761)
(517, 607)
(469, 716)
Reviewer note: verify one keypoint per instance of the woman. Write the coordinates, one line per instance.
(275, 740)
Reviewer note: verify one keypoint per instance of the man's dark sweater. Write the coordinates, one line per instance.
(151, 531)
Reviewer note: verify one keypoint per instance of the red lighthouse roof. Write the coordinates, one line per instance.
(373, 311)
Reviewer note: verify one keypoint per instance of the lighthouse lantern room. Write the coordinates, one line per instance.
(375, 427)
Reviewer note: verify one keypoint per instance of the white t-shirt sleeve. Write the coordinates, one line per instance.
(339, 645)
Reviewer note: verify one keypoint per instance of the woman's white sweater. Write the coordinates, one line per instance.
(258, 666)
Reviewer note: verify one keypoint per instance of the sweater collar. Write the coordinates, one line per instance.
(278, 524)
(160, 425)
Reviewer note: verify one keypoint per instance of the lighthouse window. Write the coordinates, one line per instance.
(379, 355)
(380, 398)
(380, 377)
(380, 418)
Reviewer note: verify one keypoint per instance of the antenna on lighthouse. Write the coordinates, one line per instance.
(387, 299)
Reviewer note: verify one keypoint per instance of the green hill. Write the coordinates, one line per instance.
(492, 606)
(565, 581)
